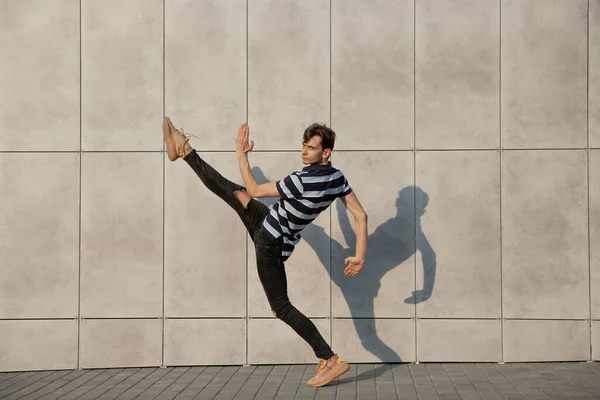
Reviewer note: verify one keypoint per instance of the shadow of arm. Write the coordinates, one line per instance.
(345, 226)
(428, 257)
(261, 179)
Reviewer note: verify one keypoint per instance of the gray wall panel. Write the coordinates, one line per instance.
(39, 235)
(122, 72)
(205, 244)
(383, 183)
(374, 340)
(372, 73)
(594, 73)
(284, 346)
(39, 75)
(457, 67)
(288, 70)
(546, 340)
(544, 234)
(205, 341)
(33, 345)
(121, 235)
(205, 68)
(459, 340)
(110, 343)
(543, 73)
(458, 238)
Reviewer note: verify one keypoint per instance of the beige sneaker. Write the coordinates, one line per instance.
(175, 140)
(328, 370)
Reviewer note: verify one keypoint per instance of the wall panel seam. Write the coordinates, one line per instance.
(500, 153)
(246, 235)
(589, 243)
(78, 366)
(163, 187)
(330, 208)
(414, 153)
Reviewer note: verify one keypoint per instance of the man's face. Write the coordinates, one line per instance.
(312, 151)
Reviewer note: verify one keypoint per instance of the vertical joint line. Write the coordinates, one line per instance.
(247, 57)
(415, 169)
(80, 166)
(246, 255)
(587, 72)
(588, 175)
(589, 250)
(163, 195)
(330, 54)
(330, 209)
(500, 174)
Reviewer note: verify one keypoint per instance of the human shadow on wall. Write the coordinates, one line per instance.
(389, 246)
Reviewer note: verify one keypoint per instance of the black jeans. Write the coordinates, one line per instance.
(271, 270)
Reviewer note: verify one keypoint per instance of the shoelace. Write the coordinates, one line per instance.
(187, 137)
(321, 366)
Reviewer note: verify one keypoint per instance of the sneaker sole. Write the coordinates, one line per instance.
(341, 371)
(169, 141)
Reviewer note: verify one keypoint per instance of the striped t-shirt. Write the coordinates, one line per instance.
(304, 195)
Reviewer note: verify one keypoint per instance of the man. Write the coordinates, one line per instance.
(275, 232)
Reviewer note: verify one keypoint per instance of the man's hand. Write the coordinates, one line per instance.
(353, 265)
(241, 142)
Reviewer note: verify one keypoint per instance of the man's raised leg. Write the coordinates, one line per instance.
(250, 212)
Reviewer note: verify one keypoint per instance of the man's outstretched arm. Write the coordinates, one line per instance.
(242, 147)
(355, 264)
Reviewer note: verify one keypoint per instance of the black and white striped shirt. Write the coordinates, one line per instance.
(304, 195)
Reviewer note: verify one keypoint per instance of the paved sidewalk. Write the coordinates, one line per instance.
(364, 381)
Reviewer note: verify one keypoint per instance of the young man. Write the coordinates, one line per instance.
(275, 232)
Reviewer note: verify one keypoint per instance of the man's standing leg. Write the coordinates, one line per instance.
(271, 271)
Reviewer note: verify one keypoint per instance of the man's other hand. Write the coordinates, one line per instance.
(353, 266)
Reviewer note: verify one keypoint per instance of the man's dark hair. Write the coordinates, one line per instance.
(326, 134)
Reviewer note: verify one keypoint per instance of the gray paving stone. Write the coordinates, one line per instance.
(91, 384)
(218, 382)
(62, 387)
(54, 384)
(37, 385)
(110, 383)
(8, 375)
(162, 384)
(305, 391)
(450, 396)
(125, 384)
(19, 379)
(139, 387)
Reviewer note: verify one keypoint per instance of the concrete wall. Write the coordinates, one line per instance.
(469, 129)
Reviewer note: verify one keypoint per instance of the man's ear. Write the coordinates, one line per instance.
(326, 153)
